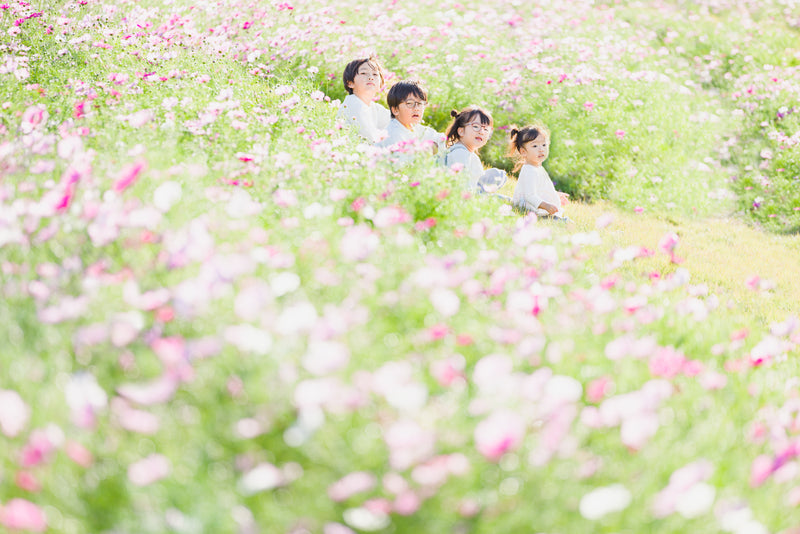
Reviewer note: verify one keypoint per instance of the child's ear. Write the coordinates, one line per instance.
(351, 84)
(395, 111)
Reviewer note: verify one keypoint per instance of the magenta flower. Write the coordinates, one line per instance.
(129, 175)
(41, 446)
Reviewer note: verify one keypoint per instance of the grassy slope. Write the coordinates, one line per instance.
(721, 252)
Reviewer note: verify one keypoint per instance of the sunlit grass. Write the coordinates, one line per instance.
(723, 253)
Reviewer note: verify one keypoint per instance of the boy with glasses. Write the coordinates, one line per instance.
(407, 101)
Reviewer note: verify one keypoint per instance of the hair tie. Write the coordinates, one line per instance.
(453, 113)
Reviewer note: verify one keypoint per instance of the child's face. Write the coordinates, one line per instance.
(474, 134)
(409, 112)
(366, 83)
(535, 151)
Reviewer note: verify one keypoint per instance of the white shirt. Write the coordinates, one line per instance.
(470, 163)
(368, 120)
(534, 187)
(398, 135)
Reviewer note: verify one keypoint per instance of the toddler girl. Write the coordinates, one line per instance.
(534, 190)
(407, 101)
(363, 78)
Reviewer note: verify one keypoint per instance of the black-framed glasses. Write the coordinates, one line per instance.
(478, 127)
(414, 104)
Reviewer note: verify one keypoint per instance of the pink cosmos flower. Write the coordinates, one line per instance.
(390, 215)
(599, 388)
(407, 503)
(760, 470)
(358, 243)
(129, 175)
(78, 454)
(40, 447)
(667, 362)
(448, 371)
(27, 481)
(19, 514)
(156, 391)
(285, 198)
(149, 470)
(351, 484)
(85, 398)
(499, 433)
(686, 491)
(140, 118)
(33, 117)
(408, 444)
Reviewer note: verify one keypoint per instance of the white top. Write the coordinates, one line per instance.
(534, 187)
(398, 136)
(470, 163)
(368, 120)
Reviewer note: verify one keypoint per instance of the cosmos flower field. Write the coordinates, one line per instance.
(220, 312)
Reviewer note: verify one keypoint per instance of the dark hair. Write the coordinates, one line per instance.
(518, 138)
(402, 90)
(464, 117)
(351, 70)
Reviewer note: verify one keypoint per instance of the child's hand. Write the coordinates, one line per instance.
(549, 208)
(564, 198)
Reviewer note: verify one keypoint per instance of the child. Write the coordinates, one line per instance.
(469, 132)
(407, 101)
(363, 78)
(534, 190)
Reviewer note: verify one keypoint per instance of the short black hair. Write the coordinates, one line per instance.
(351, 70)
(402, 90)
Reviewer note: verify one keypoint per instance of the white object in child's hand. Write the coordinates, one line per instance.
(492, 180)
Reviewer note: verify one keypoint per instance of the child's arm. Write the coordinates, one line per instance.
(564, 197)
(549, 208)
(526, 193)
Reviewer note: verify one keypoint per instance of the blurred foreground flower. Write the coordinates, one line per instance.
(604, 501)
(19, 514)
(14, 413)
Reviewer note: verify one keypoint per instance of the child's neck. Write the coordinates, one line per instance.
(472, 149)
(366, 99)
(409, 126)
